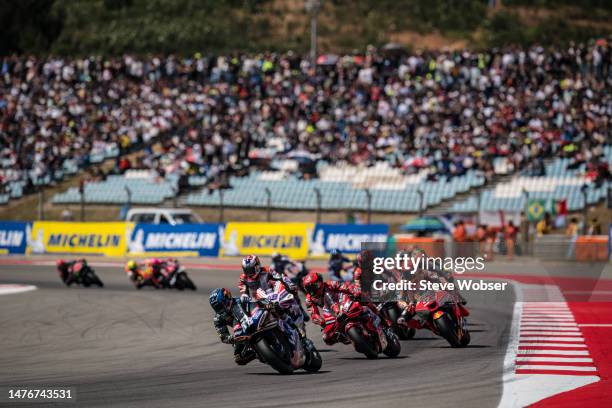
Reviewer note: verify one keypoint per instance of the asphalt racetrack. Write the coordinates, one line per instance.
(123, 347)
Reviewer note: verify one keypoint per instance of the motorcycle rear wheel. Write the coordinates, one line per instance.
(271, 357)
(361, 344)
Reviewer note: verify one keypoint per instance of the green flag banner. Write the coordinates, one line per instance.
(536, 209)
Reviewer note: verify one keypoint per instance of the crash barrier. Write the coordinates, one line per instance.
(14, 237)
(592, 248)
(434, 247)
(97, 238)
(299, 239)
(175, 240)
(295, 239)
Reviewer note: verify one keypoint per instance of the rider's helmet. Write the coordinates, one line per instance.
(60, 263)
(313, 284)
(335, 253)
(276, 257)
(131, 266)
(220, 300)
(251, 266)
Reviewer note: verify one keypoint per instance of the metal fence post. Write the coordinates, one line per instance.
(268, 204)
(420, 193)
(527, 223)
(369, 197)
(584, 191)
(129, 197)
(41, 204)
(83, 205)
(318, 195)
(479, 201)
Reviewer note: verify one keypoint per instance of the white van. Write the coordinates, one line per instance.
(172, 216)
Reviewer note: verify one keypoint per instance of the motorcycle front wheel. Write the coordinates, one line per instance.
(404, 333)
(313, 358)
(361, 344)
(448, 330)
(271, 357)
(393, 345)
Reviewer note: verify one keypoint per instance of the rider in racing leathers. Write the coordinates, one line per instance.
(144, 273)
(225, 307)
(281, 262)
(335, 265)
(255, 276)
(324, 297)
(423, 274)
(66, 272)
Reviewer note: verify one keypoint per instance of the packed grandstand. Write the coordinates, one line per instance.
(431, 123)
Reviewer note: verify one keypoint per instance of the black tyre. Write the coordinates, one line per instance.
(393, 345)
(361, 344)
(271, 357)
(448, 329)
(313, 359)
(404, 333)
(95, 280)
(465, 339)
(188, 283)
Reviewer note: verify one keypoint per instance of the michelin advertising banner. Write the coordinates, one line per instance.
(345, 237)
(100, 238)
(14, 237)
(262, 238)
(176, 240)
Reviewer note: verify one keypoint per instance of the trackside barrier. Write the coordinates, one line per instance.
(592, 248)
(296, 239)
(176, 240)
(14, 237)
(433, 247)
(264, 238)
(99, 238)
(345, 237)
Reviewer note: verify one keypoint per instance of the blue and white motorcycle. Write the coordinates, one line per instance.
(274, 336)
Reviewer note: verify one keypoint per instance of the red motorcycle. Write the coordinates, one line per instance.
(443, 314)
(349, 322)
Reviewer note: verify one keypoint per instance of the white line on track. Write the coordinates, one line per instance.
(540, 338)
(555, 352)
(10, 289)
(556, 367)
(554, 359)
(551, 344)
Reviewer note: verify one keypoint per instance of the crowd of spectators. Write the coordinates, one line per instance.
(447, 111)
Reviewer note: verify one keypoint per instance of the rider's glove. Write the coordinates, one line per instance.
(244, 298)
(227, 339)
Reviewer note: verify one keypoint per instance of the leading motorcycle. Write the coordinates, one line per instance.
(443, 313)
